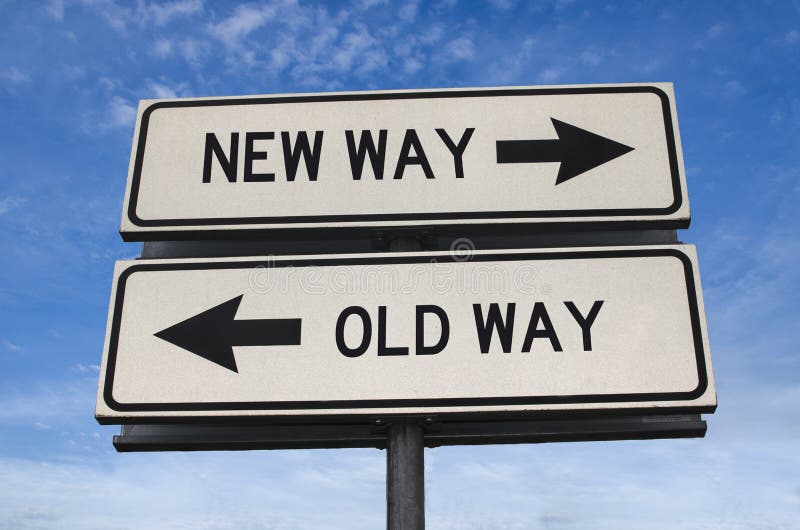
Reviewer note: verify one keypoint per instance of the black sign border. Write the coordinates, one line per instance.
(510, 216)
(680, 396)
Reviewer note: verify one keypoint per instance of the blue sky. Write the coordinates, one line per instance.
(71, 74)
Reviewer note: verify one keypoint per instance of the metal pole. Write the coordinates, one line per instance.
(405, 454)
(405, 477)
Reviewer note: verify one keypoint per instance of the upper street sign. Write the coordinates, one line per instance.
(570, 154)
(507, 332)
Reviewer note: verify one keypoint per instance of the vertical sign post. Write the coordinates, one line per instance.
(405, 456)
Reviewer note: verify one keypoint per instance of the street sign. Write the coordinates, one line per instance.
(599, 154)
(518, 332)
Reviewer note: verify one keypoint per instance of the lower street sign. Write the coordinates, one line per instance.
(501, 333)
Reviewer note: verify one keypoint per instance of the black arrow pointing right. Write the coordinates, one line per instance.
(578, 150)
(213, 333)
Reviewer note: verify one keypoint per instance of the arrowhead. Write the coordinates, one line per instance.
(583, 150)
(207, 334)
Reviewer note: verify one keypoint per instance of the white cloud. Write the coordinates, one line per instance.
(279, 59)
(109, 83)
(119, 113)
(635, 484)
(551, 74)
(369, 4)
(411, 65)
(791, 38)
(497, 472)
(322, 48)
(502, 5)
(591, 57)
(652, 65)
(192, 50)
(409, 10)
(72, 72)
(444, 5)
(8, 204)
(119, 17)
(163, 13)
(460, 49)
(359, 53)
(430, 35)
(160, 90)
(55, 8)
(734, 88)
(242, 22)
(510, 68)
(352, 48)
(116, 16)
(11, 346)
(162, 48)
(56, 403)
(171, 491)
(87, 367)
(712, 33)
(14, 76)
(316, 46)
(715, 31)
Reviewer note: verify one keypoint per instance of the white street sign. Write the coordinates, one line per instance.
(607, 154)
(521, 331)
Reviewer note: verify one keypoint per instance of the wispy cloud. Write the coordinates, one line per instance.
(591, 57)
(512, 67)
(101, 492)
(244, 20)
(119, 113)
(55, 9)
(318, 46)
(358, 51)
(734, 88)
(117, 17)
(652, 66)
(460, 49)
(714, 32)
(71, 72)
(551, 74)
(8, 204)
(408, 12)
(503, 5)
(121, 16)
(791, 38)
(87, 367)
(162, 48)
(7, 344)
(369, 4)
(164, 89)
(59, 402)
(163, 13)
(13, 76)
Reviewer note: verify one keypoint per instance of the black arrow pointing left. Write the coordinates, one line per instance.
(213, 333)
